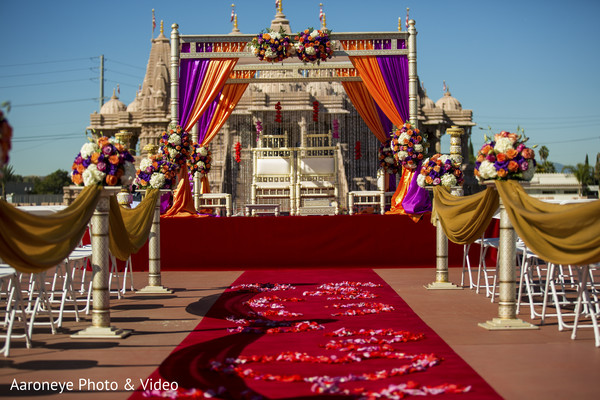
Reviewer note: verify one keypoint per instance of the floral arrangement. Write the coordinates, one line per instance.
(156, 172)
(336, 128)
(278, 112)
(386, 158)
(438, 170)
(259, 129)
(200, 159)
(408, 146)
(505, 157)
(105, 162)
(272, 46)
(175, 144)
(357, 150)
(5, 141)
(238, 152)
(313, 45)
(315, 111)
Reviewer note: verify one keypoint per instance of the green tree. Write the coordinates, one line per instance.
(53, 183)
(7, 175)
(583, 173)
(544, 153)
(597, 170)
(544, 166)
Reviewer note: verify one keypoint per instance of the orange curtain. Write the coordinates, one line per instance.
(216, 75)
(400, 194)
(363, 102)
(183, 201)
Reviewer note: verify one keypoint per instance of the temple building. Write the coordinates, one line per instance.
(147, 116)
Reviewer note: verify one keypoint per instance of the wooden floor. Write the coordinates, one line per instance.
(538, 364)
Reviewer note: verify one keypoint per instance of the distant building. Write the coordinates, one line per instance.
(555, 187)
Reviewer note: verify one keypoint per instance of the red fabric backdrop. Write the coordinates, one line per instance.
(240, 243)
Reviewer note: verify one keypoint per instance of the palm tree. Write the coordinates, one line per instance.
(583, 173)
(544, 153)
(545, 166)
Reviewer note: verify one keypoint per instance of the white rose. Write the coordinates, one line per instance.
(88, 149)
(404, 138)
(269, 54)
(201, 164)
(444, 158)
(203, 151)
(418, 148)
(173, 153)
(389, 160)
(503, 145)
(91, 176)
(314, 34)
(448, 180)
(175, 139)
(421, 180)
(129, 174)
(276, 35)
(145, 164)
(157, 180)
(310, 51)
(402, 155)
(487, 170)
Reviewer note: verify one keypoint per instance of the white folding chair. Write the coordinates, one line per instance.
(587, 301)
(14, 311)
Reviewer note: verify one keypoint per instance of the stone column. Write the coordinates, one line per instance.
(507, 305)
(154, 276)
(100, 271)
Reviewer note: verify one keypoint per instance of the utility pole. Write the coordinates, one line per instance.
(101, 82)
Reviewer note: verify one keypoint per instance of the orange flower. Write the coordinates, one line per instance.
(502, 173)
(80, 168)
(501, 157)
(114, 159)
(457, 172)
(436, 168)
(511, 153)
(480, 158)
(111, 180)
(528, 153)
(143, 182)
(77, 179)
(266, 36)
(103, 141)
(513, 166)
(428, 179)
(95, 158)
(486, 149)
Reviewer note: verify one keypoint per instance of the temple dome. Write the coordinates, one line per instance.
(447, 102)
(135, 105)
(113, 106)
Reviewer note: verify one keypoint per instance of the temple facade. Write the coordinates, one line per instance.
(147, 116)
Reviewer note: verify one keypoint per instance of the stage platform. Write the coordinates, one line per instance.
(241, 243)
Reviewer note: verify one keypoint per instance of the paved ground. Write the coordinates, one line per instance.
(536, 364)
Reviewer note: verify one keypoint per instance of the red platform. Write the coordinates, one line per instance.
(241, 243)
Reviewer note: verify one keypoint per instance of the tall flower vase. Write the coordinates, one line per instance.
(507, 305)
(441, 253)
(101, 328)
(154, 275)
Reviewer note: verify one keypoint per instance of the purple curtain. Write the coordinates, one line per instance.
(394, 70)
(191, 76)
(417, 199)
(206, 118)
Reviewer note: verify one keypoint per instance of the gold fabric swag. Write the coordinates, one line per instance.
(465, 219)
(129, 228)
(34, 243)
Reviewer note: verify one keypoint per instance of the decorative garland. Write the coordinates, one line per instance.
(357, 152)
(314, 45)
(259, 129)
(336, 128)
(278, 112)
(238, 152)
(315, 111)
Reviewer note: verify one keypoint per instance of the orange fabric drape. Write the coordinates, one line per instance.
(183, 201)
(363, 102)
(400, 194)
(368, 70)
(216, 75)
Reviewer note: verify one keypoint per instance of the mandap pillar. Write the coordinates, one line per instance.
(101, 327)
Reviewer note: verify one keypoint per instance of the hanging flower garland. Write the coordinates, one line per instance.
(175, 144)
(314, 45)
(387, 161)
(200, 160)
(272, 46)
(104, 162)
(259, 129)
(505, 157)
(155, 172)
(336, 128)
(278, 112)
(357, 151)
(315, 111)
(238, 152)
(408, 146)
(440, 170)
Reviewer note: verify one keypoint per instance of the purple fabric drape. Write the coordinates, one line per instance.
(417, 199)
(191, 76)
(394, 70)
(386, 124)
(207, 117)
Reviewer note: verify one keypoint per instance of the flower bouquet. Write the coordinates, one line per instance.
(386, 158)
(175, 144)
(156, 172)
(103, 162)
(505, 157)
(271, 46)
(313, 45)
(5, 141)
(440, 170)
(200, 160)
(408, 146)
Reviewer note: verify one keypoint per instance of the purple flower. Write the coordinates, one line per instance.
(86, 163)
(78, 159)
(437, 181)
(107, 150)
(112, 169)
(491, 158)
(101, 166)
(524, 166)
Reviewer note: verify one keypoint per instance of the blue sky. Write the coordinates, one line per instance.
(523, 63)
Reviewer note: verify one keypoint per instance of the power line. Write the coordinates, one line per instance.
(122, 73)
(46, 83)
(39, 137)
(45, 72)
(48, 62)
(128, 65)
(53, 102)
(513, 118)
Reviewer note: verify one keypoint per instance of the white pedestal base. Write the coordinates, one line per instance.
(443, 286)
(154, 290)
(499, 324)
(94, 332)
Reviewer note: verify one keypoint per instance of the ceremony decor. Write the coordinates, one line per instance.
(238, 152)
(505, 157)
(314, 45)
(272, 46)
(259, 129)
(5, 141)
(387, 161)
(315, 111)
(200, 160)
(440, 170)
(336, 129)
(408, 146)
(357, 151)
(175, 144)
(104, 162)
(156, 172)
(278, 112)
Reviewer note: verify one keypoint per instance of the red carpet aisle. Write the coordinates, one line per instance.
(285, 334)
(242, 243)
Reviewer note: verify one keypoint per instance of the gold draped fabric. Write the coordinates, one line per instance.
(561, 234)
(34, 243)
(465, 218)
(129, 228)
